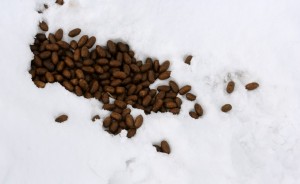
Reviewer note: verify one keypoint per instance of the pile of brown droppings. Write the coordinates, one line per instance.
(105, 73)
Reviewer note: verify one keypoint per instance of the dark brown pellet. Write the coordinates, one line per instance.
(43, 25)
(165, 147)
(190, 96)
(61, 118)
(226, 108)
(74, 32)
(230, 87)
(188, 59)
(252, 86)
(198, 109)
(194, 115)
(185, 89)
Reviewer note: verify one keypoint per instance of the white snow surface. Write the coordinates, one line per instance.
(258, 142)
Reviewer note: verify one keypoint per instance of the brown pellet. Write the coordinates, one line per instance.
(131, 132)
(61, 118)
(252, 86)
(194, 115)
(226, 108)
(116, 116)
(43, 25)
(185, 89)
(165, 147)
(164, 75)
(82, 40)
(58, 34)
(230, 87)
(190, 96)
(188, 59)
(138, 121)
(198, 109)
(74, 32)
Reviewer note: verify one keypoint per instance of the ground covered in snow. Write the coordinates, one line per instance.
(258, 142)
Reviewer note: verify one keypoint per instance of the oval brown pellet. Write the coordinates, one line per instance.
(82, 40)
(113, 126)
(52, 47)
(170, 105)
(116, 116)
(59, 34)
(100, 51)
(185, 89)
(107, 121)
(61, 118)
(164, 66)
(54, 58)
(188, 59)
(174, 86)
(131, 133)
(122, 47)
(129, 121)
(45, 54)
(165, 147)
(88, 69)
(68, 86)
(111, 47)
(164, 88)
(174, 110)
(91, 41)
(164, 75)
(156, 65)
(157, 105)
(125, 112)
(135, 68)
(138, 121)
(73, 44)
(146, 100)
(198, 109)
(94, 87)
(43, 25)
(145, 67)
(84, 52)
(63, 44)
(79, 74)
(119, 75)
(191, 97)
(41, 71)
(109, 89)
(116, 82)
(49, 77)
(59, 78)
(66, 73)
(230, 87)
(39, 84)
(120, 104)
(126, 58)
(60, 2)
(74, 32)
(77, 54)
(74, 82)
(226, 108)
(69, 62)
(194, 115)
(252, 86)
(78, 91)
(83, 84)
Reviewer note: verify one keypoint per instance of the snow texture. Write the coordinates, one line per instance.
(258, 142)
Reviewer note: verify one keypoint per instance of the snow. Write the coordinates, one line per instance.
(258, 142)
